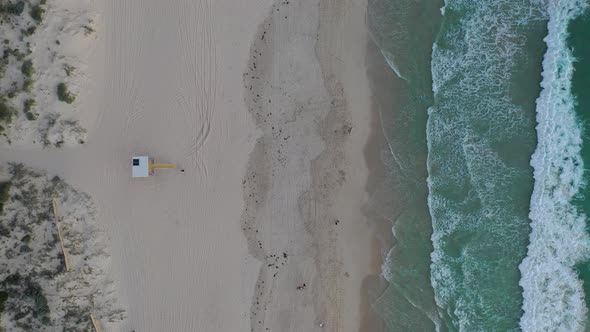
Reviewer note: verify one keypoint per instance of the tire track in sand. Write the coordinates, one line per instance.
(199, 90)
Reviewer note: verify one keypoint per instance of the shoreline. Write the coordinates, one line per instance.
(380, 78)
(367, 238)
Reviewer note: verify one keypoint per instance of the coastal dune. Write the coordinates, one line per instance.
(266, 108)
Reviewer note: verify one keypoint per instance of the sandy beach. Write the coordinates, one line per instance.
(267, 108)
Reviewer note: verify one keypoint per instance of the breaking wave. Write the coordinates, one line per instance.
(553, 293)
(479, 178)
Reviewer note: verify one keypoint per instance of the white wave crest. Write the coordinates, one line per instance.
(552, 292)
(471, 183)
(386, 267)
(390, 59)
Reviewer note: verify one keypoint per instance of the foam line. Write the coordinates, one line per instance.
(553, 293)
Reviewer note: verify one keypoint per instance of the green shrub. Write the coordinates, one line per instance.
(28, 85)
(14, 52)
(37, 13)
(4, 231)
(64, 95)
(31, 116)
(26, 238)
(13, 8)
(35, 292)
(6, 112)
(30, 31)
(29, 104)
(3, 298)
(4, 194)
(13, 279)
(25, 248)
(5, 191)
(3, 65)
(27, 68)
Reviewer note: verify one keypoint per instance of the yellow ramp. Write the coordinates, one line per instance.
(153, 166)
(163, 166)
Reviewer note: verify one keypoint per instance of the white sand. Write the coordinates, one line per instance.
(166, 80)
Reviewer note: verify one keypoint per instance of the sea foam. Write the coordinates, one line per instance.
(553, 293)
(390, 59)
(478, 187)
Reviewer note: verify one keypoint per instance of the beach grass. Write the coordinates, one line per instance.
(29, 31)
(16, 8)
(64, 94)
(4, 194)
(37, 13)
(27, 68)
(28, 85)
(28, 106)
(69, 69)
(3, 298)
(6, 113)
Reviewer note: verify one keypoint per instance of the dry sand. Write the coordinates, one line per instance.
(191, 251)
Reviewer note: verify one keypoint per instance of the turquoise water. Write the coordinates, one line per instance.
(578, 41)
(486, 164)
(553, 292)
(480, 140)
(405, 31)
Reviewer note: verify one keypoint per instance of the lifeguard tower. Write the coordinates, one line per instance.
(143, 166)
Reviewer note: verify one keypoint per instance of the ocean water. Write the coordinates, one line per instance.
(578, 42)
(485, 163)
(553, 291)
(405, 30)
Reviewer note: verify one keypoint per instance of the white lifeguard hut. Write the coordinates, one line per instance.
(143, 166)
